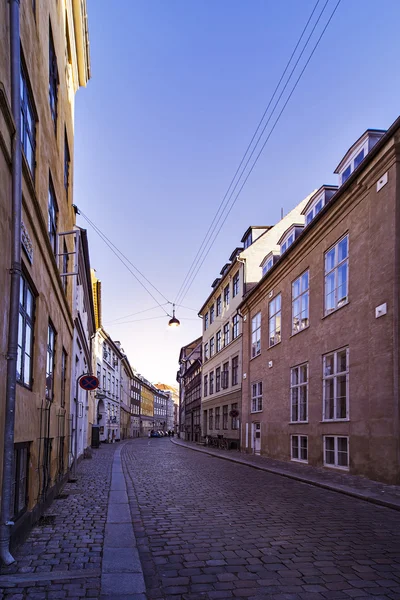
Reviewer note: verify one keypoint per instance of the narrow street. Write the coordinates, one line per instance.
(207, 529)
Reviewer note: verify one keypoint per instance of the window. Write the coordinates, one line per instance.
(256, 397)
(299, 393)
(235, 286)
(117, 388)
(104, 379)
(212, 313)
(211, 418)
(299, 448)
(25, 333)
(51, 342)
(315, 209)
(336, 451)
(248, 241)
(19, 490)
(206, 351)
(275, 321)
(217, 417)
(256, 335)
(226, 334)
(211, 383)
(219, 305)
(235, 327)
(218, 379)
(288, 242)
(28, 124)
(206, 321)
(300, 302)
(205, 385)
(212, 347)
(225, 417)
(52, 217)
(226, 296)
(67, 161)
(359, 158)
(64, 358)
(53, 79)
(346, 173)
(268, 265)
(225, 375)
(336, 380)
(218, 341)
(336, 275)
(235, 420)
(235, 370)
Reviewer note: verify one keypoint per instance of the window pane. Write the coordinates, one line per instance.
(304, 281)
(295, 446)
(329, 451)
(295, 376)
(342, 249)
(296, 288)
(329, 365)
(303, 373)
(303, 448)
(329, 399)
(342, 282)
(341, 361)
(341, 403)
(329, 260)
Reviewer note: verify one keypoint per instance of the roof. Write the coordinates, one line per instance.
(365, 135)
(341, 190)
(287, 231)
(215, 282)
(249, 229)
(225, 268)
(324, 187)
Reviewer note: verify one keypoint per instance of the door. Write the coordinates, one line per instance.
(256, 438)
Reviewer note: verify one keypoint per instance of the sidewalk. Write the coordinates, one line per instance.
(84, 545)
(351, 485)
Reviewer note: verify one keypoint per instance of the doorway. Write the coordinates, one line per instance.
(256, 438)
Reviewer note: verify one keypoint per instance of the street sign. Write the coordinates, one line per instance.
(89, 382)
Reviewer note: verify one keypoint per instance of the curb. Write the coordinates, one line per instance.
(326, 486)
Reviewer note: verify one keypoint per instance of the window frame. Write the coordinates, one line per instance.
(235, 370)
(64, 369)
(52, 210)
(50, 360)
(217, 379)
(27, 321)
(256, 405)
(334, 376)
(219, 305)
(67, 162)
(336, 452)
(217, 417)
(225, 375)
(212, 346)
(16, 491)
(226, 295)
(299, 438)
(206, 321)
(212, 314)
(235, 327)
(225, 417)
(303, 293)
(235, 420)
(235, 284)
(206, 351)
(335, 270)
(299, 386)
(211, 383)
(218, 341)
(272, 320)
(54, 79)
(28, 115)
(226, 334)
(205, 386)
(256, 335)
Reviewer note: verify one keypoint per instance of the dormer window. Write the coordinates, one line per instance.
(268, 262)
(318, 201)
(248, 241)
(289, 236)
(356, 154)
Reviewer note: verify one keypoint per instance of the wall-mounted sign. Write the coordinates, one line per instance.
(26, 242)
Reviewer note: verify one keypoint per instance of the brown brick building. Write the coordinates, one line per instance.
(323, 385)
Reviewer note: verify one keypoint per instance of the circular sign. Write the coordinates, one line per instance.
(234, 414)
(89, 382)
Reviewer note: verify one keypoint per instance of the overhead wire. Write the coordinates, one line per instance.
(133, 314)
(222, 203)
(198, 266)
(193, 276)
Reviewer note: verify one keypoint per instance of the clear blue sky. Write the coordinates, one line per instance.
(177, 89)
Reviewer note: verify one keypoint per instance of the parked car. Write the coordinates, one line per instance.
(155, 434)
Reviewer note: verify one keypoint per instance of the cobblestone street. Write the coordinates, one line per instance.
(206, 529)
(210, 529)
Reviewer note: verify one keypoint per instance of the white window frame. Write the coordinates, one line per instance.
(235, 327)
(334, 376)
(218, 341)
(256, 335)
(296, 388)
(336, 452)
(256, 397)
(300, 439)
(315, 208)
(272, 320)
(338, 303)
(226, 334)
(303, 298)
(235, 284)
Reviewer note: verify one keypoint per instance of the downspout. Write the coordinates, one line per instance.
(15, 272)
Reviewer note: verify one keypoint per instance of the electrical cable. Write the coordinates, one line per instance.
(204, 242)
(260, 152)
(132, 314)
(112, 246)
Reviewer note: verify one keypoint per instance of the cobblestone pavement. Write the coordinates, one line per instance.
(63, 559)
(210, 529)
(330, 478)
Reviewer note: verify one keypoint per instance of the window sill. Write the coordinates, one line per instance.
(298, 422)
(336, 467)
(24, 385)
(294, 333)
(299, 460)
(273, 345)
(256, 356)
(336, 310)
(346, 420)
(253, 412)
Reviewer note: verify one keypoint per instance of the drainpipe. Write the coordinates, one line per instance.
(15, 272)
